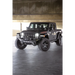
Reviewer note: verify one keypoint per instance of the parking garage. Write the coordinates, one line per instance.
(31, 60)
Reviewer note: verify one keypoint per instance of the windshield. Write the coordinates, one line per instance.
(38, 26)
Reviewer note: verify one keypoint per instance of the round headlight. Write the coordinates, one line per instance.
(36, 35)
(22, 34)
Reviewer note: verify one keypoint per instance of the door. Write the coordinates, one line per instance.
(54, 34)
(51, 35)
(54, 31)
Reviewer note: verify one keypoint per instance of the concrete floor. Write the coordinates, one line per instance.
(32, 61)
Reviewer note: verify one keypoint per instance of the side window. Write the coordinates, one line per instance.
(53, 26)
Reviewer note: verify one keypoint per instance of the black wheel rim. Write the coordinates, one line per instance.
(45, 45)
(20, 44)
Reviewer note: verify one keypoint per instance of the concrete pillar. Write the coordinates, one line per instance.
(20, 26)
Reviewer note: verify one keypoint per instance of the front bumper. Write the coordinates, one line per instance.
(25, 41)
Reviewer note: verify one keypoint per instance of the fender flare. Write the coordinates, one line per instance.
(57, 36)
(46, 36)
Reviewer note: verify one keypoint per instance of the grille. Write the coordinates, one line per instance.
(28, 36)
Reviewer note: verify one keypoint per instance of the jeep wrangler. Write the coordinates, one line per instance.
(39, 33)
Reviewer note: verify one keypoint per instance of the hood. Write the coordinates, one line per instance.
(33, 31)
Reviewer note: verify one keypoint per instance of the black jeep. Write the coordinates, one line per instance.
(39, 33)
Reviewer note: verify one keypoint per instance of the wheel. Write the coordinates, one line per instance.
(58, 42)
(44, 44)
(19, 45)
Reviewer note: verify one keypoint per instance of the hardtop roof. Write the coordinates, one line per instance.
(42, 22)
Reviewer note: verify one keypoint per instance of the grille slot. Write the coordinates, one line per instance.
(28, 36)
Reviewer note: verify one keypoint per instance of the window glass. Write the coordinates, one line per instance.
(39, 25)
(53, 26)
(32, 26)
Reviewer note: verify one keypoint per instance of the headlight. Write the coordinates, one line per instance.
(36, 35)
(22, 34)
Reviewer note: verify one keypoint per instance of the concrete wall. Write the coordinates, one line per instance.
(24, 7)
